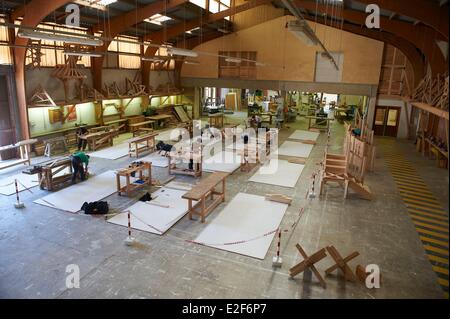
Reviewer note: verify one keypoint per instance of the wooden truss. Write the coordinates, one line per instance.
(34, 53)
(433, 91)
(41, 98)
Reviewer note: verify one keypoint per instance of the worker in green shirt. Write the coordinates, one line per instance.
(78, 159)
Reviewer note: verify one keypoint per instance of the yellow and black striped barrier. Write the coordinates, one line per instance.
(429, 217)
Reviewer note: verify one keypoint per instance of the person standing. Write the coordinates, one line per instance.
(279, 119)
(80, 162)
(82, 131)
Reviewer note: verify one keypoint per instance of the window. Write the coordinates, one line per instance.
(5, 52)
(213, 6)
(53, 53)
(129, 61)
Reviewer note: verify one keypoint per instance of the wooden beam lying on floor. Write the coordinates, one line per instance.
(279, 198)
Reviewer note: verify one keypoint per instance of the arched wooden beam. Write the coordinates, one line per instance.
(427, 12)
(421, 36)
(35, 12)
(408, 49)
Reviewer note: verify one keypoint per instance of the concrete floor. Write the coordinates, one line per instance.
(37, 243)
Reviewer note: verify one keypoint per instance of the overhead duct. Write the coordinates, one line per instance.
(301, 29)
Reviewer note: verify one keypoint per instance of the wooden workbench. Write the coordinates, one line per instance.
(47, 174)
(99, 140)
(136, 170)
(186, 154)
(204, 190)
(317, 126)
(161, 117)
(23, 147)
(142, 144)
(216, 120)
(136, 126)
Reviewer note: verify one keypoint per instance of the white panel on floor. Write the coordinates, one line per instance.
(179, 185)
(153, 218)
(295, 149)
(304, 135)
(113, 152)
(72, 198)
(28, 181)
(246, 217)
(157, 160)
(281, 173)
(222, 162)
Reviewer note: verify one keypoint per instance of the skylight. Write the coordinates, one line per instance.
(158, 19)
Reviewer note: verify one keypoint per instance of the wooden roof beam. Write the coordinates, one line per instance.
(423, 37)
(429, 12)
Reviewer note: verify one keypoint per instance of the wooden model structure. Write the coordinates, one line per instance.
(34, 53)
(24, 150)
(431, 101)
(347, 169)
(41, 98)
(112, 90)
(308, 263)
(191, 154)
(204, 191)
(135, 169)
(86, 93)
(341, 263)
(67, 72)
(134, 88)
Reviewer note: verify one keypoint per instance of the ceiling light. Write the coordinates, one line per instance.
(233, 60)
(195, 29)
(95, 4)
(182, 52)
(191, 62)
(35, 35)
(153, 59)
(90, 54)
(106, 2)
(223, 30)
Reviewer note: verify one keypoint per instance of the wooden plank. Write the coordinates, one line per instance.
(279, 198)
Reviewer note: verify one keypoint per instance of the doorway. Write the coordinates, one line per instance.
(386, 120)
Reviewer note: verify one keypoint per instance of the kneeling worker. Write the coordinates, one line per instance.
(78, 159)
